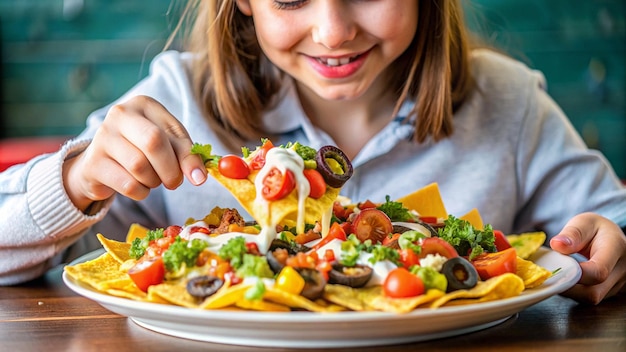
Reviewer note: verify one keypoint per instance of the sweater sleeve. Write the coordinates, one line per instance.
(39, 220)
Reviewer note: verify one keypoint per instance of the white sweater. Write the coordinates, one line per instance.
(514, 156)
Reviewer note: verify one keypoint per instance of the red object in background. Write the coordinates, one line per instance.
(20, 150)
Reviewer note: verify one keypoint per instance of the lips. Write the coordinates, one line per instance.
(338, 67)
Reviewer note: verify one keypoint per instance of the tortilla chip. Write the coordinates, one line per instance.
(499, 287)
(276, 212)
(379, 301)
(226, 296)
(345, 296)
(174, 293)
(136, 231)
(262, 305)
(118, 250)
(533, 275)
(295, 301)
(101, 273)
(526, 244)
(474, 218)
(426, 201)
(130, 291)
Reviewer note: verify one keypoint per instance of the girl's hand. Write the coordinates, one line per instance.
(139, 146)
(604, 244)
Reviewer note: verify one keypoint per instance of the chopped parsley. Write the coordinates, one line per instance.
(139, 245)
(244, 263)
(467, 239)
(182, 252)
(395, 210)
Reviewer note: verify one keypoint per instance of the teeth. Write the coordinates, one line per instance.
(336, 62)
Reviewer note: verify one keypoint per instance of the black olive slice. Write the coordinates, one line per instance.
(460, 274)
(332, 177)
(353, 276)
(204, 286)
(314, 283)
(274, 263)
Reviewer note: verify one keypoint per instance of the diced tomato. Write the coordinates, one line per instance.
(368, 204)
(372, 224)
(489, 265)
(317, 183)
(436, 245)
(301, 260)
(233, 166)
(257, 160)
(500, 240)
(341, 212)
(347, 227)
(324, 267)
(277, 185)
(335, 232)
(429, 219)
(329, 255)
(400, 283)
(306, 237)
(147, 271)
(172, 231)
(200, 229)
(390, 238)
(252, 248)
(408, 257)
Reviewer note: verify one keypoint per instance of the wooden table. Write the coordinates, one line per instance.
(45, 315)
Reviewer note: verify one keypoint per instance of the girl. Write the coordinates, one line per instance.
(396, 84)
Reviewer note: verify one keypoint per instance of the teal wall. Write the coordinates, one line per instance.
(63, 59)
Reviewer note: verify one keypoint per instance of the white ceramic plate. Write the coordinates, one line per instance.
(344, 329)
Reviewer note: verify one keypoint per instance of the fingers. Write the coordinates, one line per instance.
(139, 146)
(602, 242)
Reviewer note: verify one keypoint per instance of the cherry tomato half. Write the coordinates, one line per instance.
(317, 183)
(233, 166)
(500, 240)
(489, 265)
(277, 185)
(372, 224)
(147, 271)
(257, 158)
(436, 245)
(400, 283)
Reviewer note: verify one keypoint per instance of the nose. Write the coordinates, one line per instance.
(334, 25)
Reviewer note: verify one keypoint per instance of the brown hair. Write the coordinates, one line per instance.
(235, 83)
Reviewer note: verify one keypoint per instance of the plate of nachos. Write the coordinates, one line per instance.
(315, 269)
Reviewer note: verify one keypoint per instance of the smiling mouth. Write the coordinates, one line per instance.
(334, 62)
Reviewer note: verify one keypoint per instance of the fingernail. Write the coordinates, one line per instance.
(198, 176)
(564, 239)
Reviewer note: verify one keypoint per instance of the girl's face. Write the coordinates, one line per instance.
(339, 49)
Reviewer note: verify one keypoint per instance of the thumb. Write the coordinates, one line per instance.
(571, 239)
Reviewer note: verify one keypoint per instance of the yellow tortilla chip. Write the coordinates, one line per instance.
(533, 275)
(499, 287)
(526, 244)
(102, 273)
(262, 305)
(174, 293)
(379, 301)
(276, 212)
(226, 296)
(295, 301)
(118, 250)
(426, 201)
(348, 297)
(135, 231)
(474, 218)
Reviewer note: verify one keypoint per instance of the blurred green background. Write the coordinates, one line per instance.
(62, 59)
